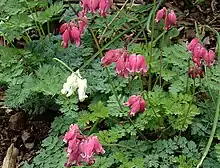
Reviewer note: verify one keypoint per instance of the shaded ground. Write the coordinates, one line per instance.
(25, 133)
(206, 13)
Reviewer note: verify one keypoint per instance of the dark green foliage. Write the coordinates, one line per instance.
(42, 86)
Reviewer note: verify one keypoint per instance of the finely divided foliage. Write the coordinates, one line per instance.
(123, 101)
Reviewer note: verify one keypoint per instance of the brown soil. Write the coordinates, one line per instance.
(33, 132)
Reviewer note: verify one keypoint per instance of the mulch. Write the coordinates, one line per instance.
(33, 131)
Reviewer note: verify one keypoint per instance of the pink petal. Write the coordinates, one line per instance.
(85, 5)
(66, 36)
(83, 23)
(211, 58)
(132, 63)
(110, 57)
(141, 64)
(196, 51)
(75, 35)
(103, 6)
(192, 44)
(160, 14)
(63, 27)
(203, 53)
(93, 5)
(97, 145)
(172, 17)
(135, 108)
(142, 104)
(131, 100)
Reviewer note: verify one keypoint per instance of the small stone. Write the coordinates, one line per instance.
(16, 122)
(29, 146)
(11, 157)
(25, 136)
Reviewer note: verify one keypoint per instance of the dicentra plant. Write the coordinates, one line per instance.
(125, 87)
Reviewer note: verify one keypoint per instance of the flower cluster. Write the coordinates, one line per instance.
(81, 148)
(125, 63)
(73, 31)
(73, 82)
(136, 103)
(200, 56)
(93, 6)
(169, 17)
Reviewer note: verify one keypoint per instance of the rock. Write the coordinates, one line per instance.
(29, 146)
(11, 157)
(28, 140)
(25, 136)
(16, 122)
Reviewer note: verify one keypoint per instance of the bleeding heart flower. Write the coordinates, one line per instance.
(93, 5)
(137, 64)
(122, 66)
(103, 6)
(75, 35)
(63, 27)
(161, 14)
(81, 148)
(111, 56)
(82, 84)
(195, 71)
(190, 46)
(137, 104)
(83, 23)
(209, 58)
(72, 133)
(172, 17)
(66, 38)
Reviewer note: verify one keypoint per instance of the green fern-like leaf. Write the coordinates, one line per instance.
(112, 135)
(115, 108)
(99, 111)
(217, 151)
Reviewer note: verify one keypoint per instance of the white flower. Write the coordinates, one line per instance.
(82, 84)
(73, 82)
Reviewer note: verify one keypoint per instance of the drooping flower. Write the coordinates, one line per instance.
(63, 27)
(81, 148)
(83, 22)
(103, 7)
(89, 146)
(172, 17)
(111, 56)
(200, 54)
(73, 31)
(122, 66)
(125, 63)
(137, 64)
(209, 58)
(66, 38)
(190, 46)
(137, 104)
(75, 35)
(161, 14)
(73, 132)
(169, 17)
(82, 84)
(70, 86)
(196, 71)
(74, 82)
(93, 6)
